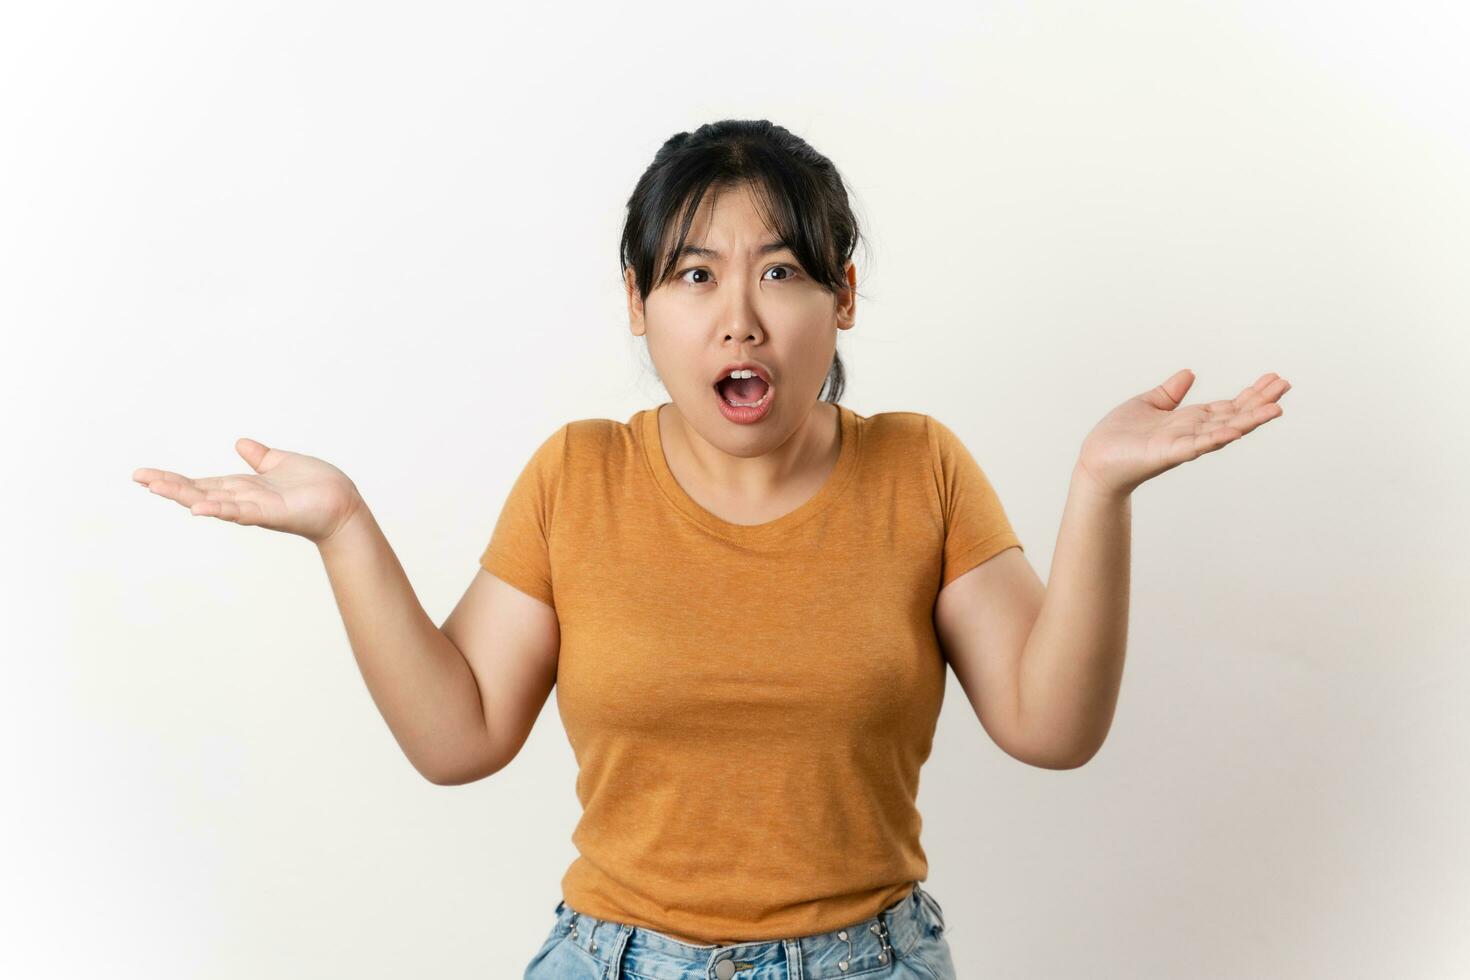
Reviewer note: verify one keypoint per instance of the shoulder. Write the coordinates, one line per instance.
(901, 433)
(598, 449)
(595, 437)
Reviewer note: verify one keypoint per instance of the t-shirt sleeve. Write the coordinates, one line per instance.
(975, 523)
(519, 551)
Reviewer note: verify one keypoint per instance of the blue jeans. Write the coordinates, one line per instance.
(905, 940)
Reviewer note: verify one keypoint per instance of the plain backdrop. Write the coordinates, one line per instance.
(386, 235)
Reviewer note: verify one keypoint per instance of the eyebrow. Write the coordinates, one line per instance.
(695, 250)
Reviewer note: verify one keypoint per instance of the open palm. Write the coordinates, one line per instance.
(1152, 432)
(289, 492)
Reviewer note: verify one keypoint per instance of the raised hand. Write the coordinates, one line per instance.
(288, 492)
(1152, 432)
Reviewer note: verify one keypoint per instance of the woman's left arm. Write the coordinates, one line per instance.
(1072, 665)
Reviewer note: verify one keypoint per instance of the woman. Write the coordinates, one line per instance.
(746, 598)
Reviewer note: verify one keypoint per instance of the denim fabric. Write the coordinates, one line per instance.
(905, 940)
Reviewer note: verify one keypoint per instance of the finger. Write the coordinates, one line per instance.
(250, 500)
(1263, 392)
(163, 486)
(221, 507)
(1228, 430)
(1167, 395)
(234, 482)
(1248, 395)
(1268, 387)
(1264, 399)
(217, 496)
(234, 511)
(147, 475)
(1214, 438)
(225, 510)
(252, 452)
(1262, 414)
(1222, 408)
(186, 491)
(177, 488)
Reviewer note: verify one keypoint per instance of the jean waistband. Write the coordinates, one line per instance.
(869, 944)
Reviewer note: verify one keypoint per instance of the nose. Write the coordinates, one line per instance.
(742, 322)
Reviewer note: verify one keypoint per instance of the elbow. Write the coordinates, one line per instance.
(436, 776)
(471, 772)
(443, 780)
(1052, 758)
(1059, 747)
(1074, 761)
(469, 764)
(451, 779)
(459, 777)
(1047, 762)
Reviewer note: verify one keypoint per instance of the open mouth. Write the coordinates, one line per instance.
(743, 392)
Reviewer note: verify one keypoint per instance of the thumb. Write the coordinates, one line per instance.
(253, 452)
(1168, 395)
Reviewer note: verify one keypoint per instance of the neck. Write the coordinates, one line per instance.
(812, 447)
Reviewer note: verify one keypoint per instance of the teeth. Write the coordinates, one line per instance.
(747, 373)
(763, 398)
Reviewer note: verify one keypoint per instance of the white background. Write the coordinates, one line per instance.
(386, 235)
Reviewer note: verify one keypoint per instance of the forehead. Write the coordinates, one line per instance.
(729, 215)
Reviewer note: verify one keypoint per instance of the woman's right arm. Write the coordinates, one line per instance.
(435, 693)
(421, 682)
(460, 708)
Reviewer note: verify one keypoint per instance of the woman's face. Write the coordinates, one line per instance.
(740, 304)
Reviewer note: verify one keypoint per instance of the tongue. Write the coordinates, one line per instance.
(743, 389)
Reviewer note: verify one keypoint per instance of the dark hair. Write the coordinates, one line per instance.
(801, 193)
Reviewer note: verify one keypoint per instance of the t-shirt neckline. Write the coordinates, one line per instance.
(847, 457)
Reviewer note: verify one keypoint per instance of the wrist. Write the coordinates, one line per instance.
(357, 519)
(1085, 482)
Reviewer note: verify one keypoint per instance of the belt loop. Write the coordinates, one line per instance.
(615, 964)
(795, 970)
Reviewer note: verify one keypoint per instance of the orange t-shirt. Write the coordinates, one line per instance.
(748, 705)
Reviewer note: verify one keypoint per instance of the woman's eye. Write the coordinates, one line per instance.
(790, 271)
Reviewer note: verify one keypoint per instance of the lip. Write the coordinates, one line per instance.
(745, 416)
(760, 371)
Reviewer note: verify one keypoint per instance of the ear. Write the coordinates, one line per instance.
(847, 300)
(635, 305)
